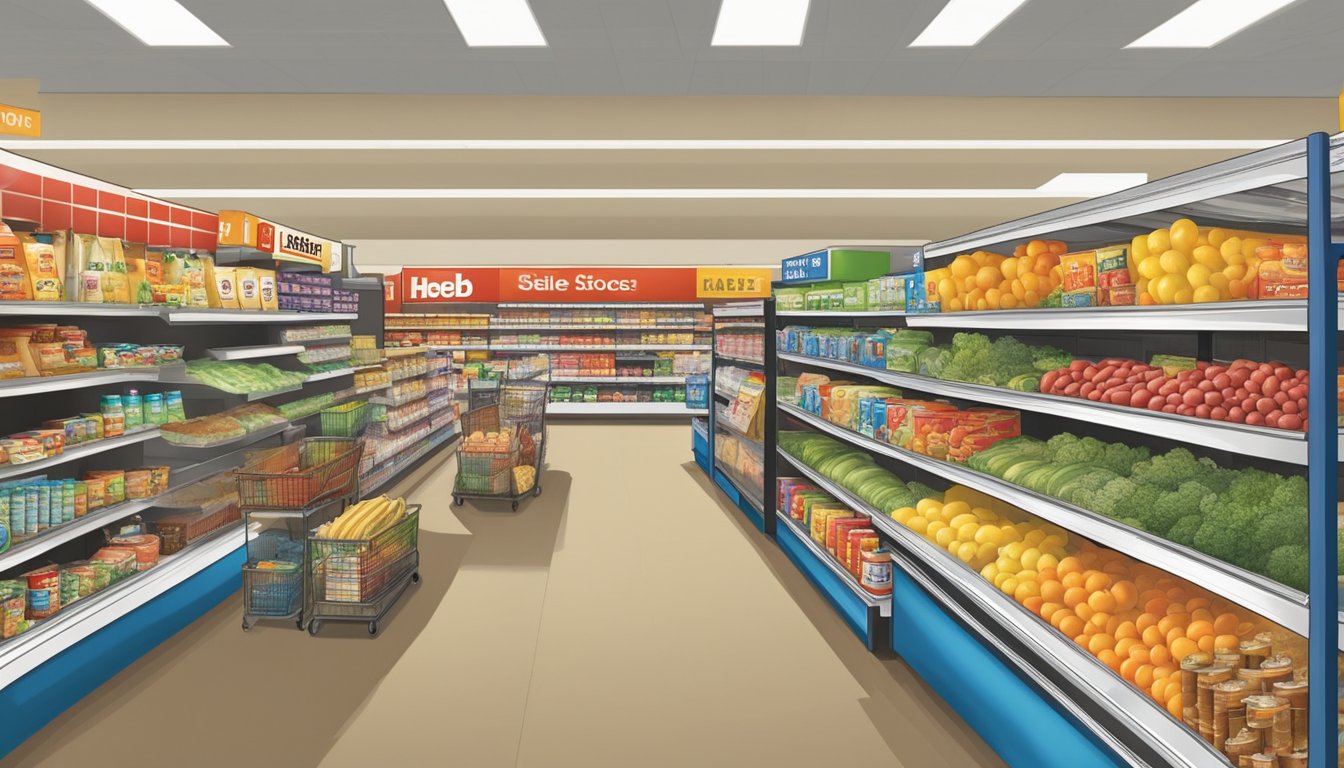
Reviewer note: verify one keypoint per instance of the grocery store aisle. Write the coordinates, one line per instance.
(626, 616)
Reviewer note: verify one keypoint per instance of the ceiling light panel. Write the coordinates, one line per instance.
(964, 23)
(761, 23)
(1207, 23)
(159, 22)
(496, 23)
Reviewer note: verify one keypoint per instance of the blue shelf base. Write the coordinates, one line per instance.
(700, 449)
(1012, 718)
(38, 697)
(737, 498)
(863, 619)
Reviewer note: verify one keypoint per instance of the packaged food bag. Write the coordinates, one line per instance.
(1080, 279)
(1115, 286)
(249, 289)
(270, 299)
(46, 283)
(14, 285)
(116, 283)
(226, 287)
(1282, 272)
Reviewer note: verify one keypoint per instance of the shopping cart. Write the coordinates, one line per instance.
(361, 579)
(482, 392)
(292, 487)
(485, 466)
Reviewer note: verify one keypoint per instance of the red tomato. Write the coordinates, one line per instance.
(1235, 413)
(1168, 408)
(1255, 417)
(1266, 405)
(1192, 397)
(1078, 365)
(1270, 386)
(1213, 399)
(1222, 381)
(1072, 389)
(1290, 421)
(1218, 412)
(1139, 398)
(1202, 411)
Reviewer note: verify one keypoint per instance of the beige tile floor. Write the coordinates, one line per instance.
(628, 616)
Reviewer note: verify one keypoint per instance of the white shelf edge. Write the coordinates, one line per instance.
(1279, 603)
(26, 652)
(33, 385)
(253, 353)
(872, 601)
(77, 452)
(1264, 442)
(332, 374)
(844, 313)
(1287, 316)
(624, 409)
(1087, 673)
(201, 316)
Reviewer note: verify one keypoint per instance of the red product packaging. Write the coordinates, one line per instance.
(837, 533)
(900, 418)
(860, 540)
(955, 435)
(787, 485)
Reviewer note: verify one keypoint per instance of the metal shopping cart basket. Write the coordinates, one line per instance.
(485, 464)
(482, 392)
(361, 579)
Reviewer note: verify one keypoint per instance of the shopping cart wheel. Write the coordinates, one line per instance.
(313, 626)
(246, 626)
(415, 577)
(536, 491)
(299, 622)
(457, 500)
(373, 628)
(515, 506)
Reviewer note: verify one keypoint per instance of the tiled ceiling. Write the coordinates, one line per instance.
(661, 47)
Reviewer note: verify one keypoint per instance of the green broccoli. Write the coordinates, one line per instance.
(1168, 470)
(1058, 442)
(1088, 451)
(1291, 492)
(1080, 490)
(1284, 525)
(1053, 300)
(1172, 506)
(1133, 522)
(1288, 565)
(1120, 458)
(1137, 503)
(1183, 532)
(1045, 359)
(1228, 532)
(922, 491)
(1253, 487)
(1109, 497)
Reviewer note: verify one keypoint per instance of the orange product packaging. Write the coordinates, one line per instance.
(900, 427)
(14, 285)
(860, 540)
(955, 435)
(1080, 279)
(1282, 273)
(821, 517)
(1115, 286)
(837, 534)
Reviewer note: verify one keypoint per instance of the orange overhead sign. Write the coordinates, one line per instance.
(732, 283)
(239, 228)
(17, 121)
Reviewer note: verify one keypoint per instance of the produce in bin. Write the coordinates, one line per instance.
(243, 378)
(365, 519)
(205, 431)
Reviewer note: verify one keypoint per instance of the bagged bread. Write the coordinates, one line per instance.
(116, 283)
(249, 289)
(14, 283)
(87, 263)
(270, 299)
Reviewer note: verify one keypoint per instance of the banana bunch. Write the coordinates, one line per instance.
(365, 519)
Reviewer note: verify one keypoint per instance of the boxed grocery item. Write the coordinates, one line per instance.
(854, 297)
(14, 285)
(1282, 272)
(955, 435)
(787, 486)
(837, 532)
(1080, 279)
(1115, 286)
(115, 283)
(858, 541)
(900, 420)
(844, 402)
(821, 515)
(904, 348)
(790, 299)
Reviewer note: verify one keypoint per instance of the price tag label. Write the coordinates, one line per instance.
(16, 121)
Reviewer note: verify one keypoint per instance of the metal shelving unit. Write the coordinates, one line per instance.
(757, 504)
(256, 352)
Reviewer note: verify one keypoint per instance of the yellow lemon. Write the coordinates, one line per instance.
(966, 551)
(1219, 280)
(967, 531)
(1183, 296)
(1235, 271)
(1159, 241)
(1216, 237)
(953, 305)
(1249, 245)
(1141, 287)
(917, 524)
(988, 534)
(1231, 251)
(992, 297)
(963, 266)
(955, 509)
(1209, 257)
(1008, 268)
(944, 536)
(1174, 262)
(1206, 293)
(1184, 235)
(1138, 248)
(1198, 275)
(903, 515)
(990, 571)
(960, 520)
(1008, 301)
(1151, 268)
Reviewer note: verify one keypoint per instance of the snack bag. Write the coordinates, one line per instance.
(14, 285)
(45, 280)
(194, 283)
(249, 290)
(1080, 279)
(86, 265)
(226, 287)
(270, 300)
(116, 283)
(1114, 284)
(1282, 273)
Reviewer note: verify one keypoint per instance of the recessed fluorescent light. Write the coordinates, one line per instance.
(496, 23)
(159, 22)
(920, 145)
(761, 22)
(1208, 23)
(1062, 186)
(965, 22)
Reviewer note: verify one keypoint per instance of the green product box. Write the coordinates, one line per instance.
(849, 264)
(790, 299)
(876, 294)
(854, 297)
(835, 299)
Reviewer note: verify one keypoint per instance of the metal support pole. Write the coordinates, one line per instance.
(771, 421)
(1323, 459)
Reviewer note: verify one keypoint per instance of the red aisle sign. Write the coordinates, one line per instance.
(601, 284)
(391, 295)
(434, 285)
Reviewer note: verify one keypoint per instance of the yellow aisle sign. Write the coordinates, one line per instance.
(732, 283)
(17, 121)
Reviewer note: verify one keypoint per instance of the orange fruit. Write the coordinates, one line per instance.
(963, 266)
(1145, 621)
(1140, 653)
(1126, 594)
(1072, 580)
(1177, 594)
(1226, 624)
(1075, 596)
(1109, 658)
(1198, 629)
(1156, 691)
(1033, 603)
(1036, 248)
(1226, 642)
(1102, 602)
(1196, 603)
(1143, 677)
(1166, 623)
(1072, 626)
(1183, 648)
(1046, 574)
(1100, 642)
(1048, 609)
(1124, 644)
(1160, 654)
(1176, 706)
(1176, 633)
(1127, 629)
(1173, 683)
(1031, 298)
(987, 277)
(1153, 636)
(1080, 640)
(1052, 591)
(1161, 671)
(1128, 667)
(1206, 643)
(1237, 288)
(1084, 611)
(1101, 621)
(1096, 581)
(1057, 618)
(1070, 564)
(1157, 606)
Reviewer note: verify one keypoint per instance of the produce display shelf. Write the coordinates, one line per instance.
(436, 327)
(744, 360)
(76, 452)
(1070, 676)
(78, 309)
(751, 497)
(252, 353)
(26, 652)
(389, 352)
(35, 385)
(623, 409)
(618, 379)
(419, 419)
(1265, 442)
(727, 426)
(205, 316)
(29, 548)
(859, 314)
(332, 374)
(1287, 315)
(1277, 602)
(445, 437)
(883, 604)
